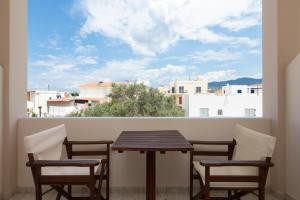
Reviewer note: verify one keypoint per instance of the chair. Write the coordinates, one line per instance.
(245, 170)
(44, 151)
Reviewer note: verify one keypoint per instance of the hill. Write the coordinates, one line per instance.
(239, 81)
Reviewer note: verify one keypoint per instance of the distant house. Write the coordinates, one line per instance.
(179, 88)
(90, 94)
(63, 107)
(99, 90)
(37, 100)
(242, 89)
(233, 101)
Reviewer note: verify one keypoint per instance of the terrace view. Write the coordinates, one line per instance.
(143, 61)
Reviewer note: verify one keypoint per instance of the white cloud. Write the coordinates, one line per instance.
(150, 27)
(64, 62)
(242, 23)
(138, 70)
(213, 55)
(221, 75)
(84, 49)
(52, 42)
(133, 70)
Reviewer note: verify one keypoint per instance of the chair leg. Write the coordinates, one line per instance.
(38, 192)
(58, 196)
(229, 194)
(236, 193)
(70, 190)
(206, 193)
(261, 193)
(92, 192)
(107, 188)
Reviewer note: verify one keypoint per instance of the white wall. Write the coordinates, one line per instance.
(232, 105)
(293, 129)
(128, 169)
(13, 58)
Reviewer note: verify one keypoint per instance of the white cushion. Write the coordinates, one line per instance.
(47, 144)
(248, 171)
(71, 171)
(252, 145)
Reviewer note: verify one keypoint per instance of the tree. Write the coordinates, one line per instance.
(134, 100)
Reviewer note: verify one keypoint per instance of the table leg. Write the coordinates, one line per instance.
(150, 184)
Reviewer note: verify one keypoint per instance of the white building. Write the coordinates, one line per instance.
(212, 105)
(242, 89)
(37, 100)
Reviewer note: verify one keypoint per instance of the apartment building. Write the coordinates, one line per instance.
(179, 88)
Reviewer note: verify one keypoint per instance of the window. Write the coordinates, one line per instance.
(198, 90)
(220, 112)
(252, 91)
(180, 100)
(250, 112)
(181, 89)
(173, 90)
(204, 112)
(112, 63)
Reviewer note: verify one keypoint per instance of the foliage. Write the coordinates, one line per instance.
(135, 100)
(74, 94)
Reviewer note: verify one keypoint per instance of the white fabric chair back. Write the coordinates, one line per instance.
(47, 144)
(252, 145)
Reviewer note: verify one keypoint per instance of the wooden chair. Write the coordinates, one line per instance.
(245, 170)
(44, 151)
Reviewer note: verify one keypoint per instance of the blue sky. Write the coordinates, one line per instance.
(78, 41)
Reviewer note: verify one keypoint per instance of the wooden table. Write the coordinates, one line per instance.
(150, 142)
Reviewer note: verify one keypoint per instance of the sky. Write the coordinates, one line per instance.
(155, 41)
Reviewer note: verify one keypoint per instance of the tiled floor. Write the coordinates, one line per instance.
(130, 196)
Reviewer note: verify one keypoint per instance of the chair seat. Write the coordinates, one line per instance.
(70, 171)
(229, 171)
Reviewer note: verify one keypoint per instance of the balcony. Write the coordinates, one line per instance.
(281, 116)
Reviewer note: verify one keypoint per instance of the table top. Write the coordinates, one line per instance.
(162, 140)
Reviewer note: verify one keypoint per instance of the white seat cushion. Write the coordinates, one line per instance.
(70, 171)
(248, 171)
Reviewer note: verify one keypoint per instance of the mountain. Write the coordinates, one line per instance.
(240, 81)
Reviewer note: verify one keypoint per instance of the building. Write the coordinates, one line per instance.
(37, 100)
(63, 107)
(60, 107)
(179, 88)
(242, 89)
(99, 90)
(233, 105)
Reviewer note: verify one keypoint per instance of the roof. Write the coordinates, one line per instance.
(101, 84)
(89, 99)
(63, 100)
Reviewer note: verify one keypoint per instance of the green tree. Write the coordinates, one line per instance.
(135, 100)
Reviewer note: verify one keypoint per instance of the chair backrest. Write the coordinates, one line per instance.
(47, 144)
(252, 145)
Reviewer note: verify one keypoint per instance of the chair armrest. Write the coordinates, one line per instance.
(90, 142)
(238, 163)
(198, 142)
(63, 163)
